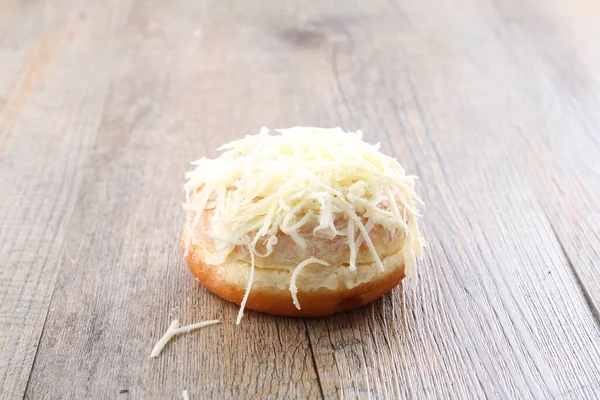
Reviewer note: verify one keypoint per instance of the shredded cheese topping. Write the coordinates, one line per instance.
(248, 287)
(175, 329)
(265, 184)
(293, 287)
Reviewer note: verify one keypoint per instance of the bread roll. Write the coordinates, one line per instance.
(304, 223)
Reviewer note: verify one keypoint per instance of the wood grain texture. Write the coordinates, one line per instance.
(52, 92)
(493, 104)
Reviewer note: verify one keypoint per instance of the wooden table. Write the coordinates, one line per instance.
(495, 105)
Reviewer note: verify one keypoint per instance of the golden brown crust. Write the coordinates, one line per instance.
(314, 303)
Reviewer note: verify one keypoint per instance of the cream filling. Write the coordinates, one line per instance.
(311, 278)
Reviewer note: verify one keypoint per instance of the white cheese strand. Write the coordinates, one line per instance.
(352, 245)
(201, 205)
(189, 328)
(165, 339)
(363, 230)
(176, 329)
(293, 287)
(248, 287)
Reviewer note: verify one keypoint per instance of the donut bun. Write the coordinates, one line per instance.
(322, 290)
(305, 223)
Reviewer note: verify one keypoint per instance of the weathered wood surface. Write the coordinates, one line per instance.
(494, 104)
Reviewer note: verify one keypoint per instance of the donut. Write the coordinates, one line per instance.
(305, 222)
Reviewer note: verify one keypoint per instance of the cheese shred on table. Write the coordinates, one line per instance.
(264, 184)
(175, 329)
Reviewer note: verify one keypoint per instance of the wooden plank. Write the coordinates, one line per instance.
(561, 133)
(493, 255)
(123, 277)
(52, 95)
